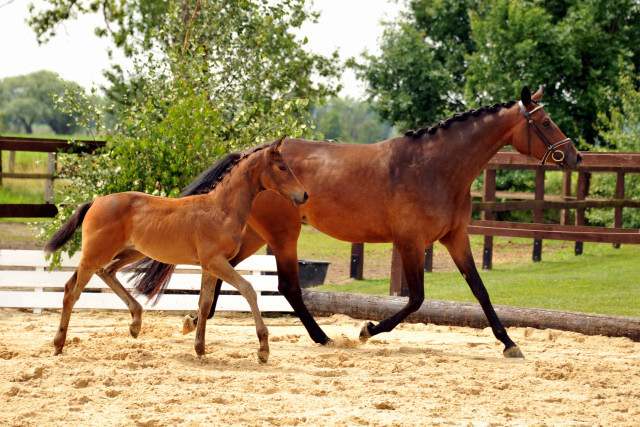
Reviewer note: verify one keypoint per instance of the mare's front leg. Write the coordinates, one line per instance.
(412, 255)
(457, 243)
(289, 286)
(108, 275)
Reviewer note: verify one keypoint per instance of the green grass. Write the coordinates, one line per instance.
(23, 190)
(602, 280)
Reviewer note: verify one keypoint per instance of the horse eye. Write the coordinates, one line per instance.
(546, 123)
(282, 168)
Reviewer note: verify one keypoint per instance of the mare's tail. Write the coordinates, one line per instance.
(150, 277)
(65, 232)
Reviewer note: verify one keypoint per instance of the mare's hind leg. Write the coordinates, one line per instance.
(223, 270)
(457, 243)
(108, 275)
(412, 255)
(72, 290)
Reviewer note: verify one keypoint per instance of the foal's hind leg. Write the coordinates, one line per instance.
(108, 275)
(222, 269)
(457, 243)
(72, 290)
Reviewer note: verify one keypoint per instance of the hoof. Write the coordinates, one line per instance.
(134, 330)
(57, 352)
(188, 325)
(329, 343)
(365, 332)
(513, 352)
(263, 357)
(199, 350)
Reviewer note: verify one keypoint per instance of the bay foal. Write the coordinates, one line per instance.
(203, 229)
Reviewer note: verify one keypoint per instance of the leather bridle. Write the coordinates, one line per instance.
(552, 149)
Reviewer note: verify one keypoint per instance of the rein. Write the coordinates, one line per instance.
(552, 149)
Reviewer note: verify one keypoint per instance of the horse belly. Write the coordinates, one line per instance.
(350, 223)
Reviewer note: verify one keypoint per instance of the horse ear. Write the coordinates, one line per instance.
(278, 143)
(525, 96)
(538, 95)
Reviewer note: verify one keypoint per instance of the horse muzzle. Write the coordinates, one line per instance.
(299, 199)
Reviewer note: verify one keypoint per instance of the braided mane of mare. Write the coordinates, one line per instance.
(151, 277)
(459, 117)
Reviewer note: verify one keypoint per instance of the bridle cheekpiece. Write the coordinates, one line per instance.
(552, 149)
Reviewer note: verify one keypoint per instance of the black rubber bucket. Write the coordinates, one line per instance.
(312, 273)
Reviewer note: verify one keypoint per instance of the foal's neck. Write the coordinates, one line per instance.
(238, 189)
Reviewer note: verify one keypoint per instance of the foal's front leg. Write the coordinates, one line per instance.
(223, 270)
(204, 305)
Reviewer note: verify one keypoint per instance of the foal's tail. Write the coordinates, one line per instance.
(150, 277)
(65, 232)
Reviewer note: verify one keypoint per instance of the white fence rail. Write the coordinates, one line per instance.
(26, 282)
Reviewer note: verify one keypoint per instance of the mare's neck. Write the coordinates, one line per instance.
(471, 144)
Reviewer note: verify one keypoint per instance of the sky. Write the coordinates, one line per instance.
(76, 54)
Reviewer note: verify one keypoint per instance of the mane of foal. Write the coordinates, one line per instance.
(458, 117)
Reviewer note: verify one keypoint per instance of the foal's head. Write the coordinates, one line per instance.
(538, 136)
(276, 175)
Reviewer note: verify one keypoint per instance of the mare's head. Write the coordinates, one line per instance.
(276, 175)
(538, 136)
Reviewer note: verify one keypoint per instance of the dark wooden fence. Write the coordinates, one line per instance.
(619, 163)
(47, 145)
(574, 230)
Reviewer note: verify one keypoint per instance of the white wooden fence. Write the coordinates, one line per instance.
(26, 282)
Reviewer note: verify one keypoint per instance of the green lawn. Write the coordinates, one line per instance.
(602, 280)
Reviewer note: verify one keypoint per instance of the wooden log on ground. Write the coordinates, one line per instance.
(377, 307)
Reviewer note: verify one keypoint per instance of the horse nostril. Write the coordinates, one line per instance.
(306, 196)
(579, 158)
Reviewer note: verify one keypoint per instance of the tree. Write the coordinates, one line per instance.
(620, 127)
(445, 55)
(237, 78)
(26, 100)
(575, 48)
(348, 120)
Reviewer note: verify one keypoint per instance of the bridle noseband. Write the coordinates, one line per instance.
(552, 149)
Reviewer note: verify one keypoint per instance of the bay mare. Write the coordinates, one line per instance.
(201, 229)
(412, 190)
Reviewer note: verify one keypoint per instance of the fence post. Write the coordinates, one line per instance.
(565, 214)
(617, 216)
(357, 260)
(428, 259)
(538, 214)
(398, 281)
(489, 195)
(583, 190)
(52, 166)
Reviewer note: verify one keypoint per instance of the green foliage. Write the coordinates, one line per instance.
(450, 55)
(621, 128)
(229, 75)
(26, 100)
(348, 120)
(415, 79)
